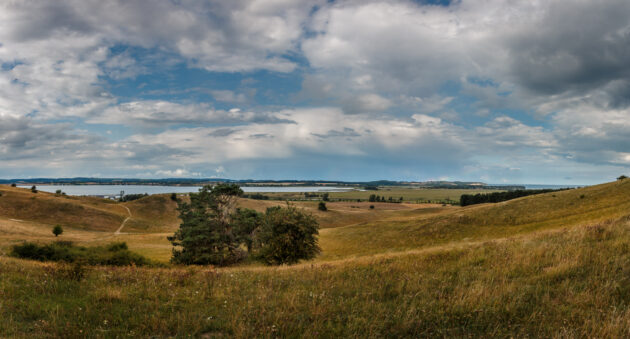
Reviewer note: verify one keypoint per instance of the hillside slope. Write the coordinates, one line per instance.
(45, 208)
(481, 222)
(567, 280)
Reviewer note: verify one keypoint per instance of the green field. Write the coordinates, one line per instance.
(418, 195)
(554, 265)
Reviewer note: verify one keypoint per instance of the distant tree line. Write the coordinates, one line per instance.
(256, 196)
(377, 198)
(131, 197)
(482, 198)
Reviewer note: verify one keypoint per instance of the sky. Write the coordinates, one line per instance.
(485, 90)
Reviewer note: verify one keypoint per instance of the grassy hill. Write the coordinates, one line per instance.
(553, 265)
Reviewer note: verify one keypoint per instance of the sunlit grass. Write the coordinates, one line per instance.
(556, 265)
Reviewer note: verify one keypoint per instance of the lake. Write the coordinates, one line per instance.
(102, 190)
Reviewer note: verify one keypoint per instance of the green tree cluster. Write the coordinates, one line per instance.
(214, 232)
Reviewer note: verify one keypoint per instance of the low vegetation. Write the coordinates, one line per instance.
(116, 254)
(482, 198)
(132, 197)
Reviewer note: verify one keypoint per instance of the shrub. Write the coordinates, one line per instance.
(57, 230)
(371, 207)
(115, 254)
(287, 235)
(174, 196)
(322, 206)
(622, 177)
(34, 189)
(13, 185)
(132, 197)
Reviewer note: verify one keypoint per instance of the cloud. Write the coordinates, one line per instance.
(177, 173)
(389, 86)
(229, 96)
(163, 113)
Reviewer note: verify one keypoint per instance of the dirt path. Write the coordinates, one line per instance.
(124, 221)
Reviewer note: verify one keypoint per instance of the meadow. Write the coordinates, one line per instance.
(551, 265)
(409, 195)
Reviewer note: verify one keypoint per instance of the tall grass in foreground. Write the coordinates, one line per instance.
(563, 283)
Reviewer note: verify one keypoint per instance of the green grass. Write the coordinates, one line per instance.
(419, 195)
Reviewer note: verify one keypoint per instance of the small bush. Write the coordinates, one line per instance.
(115, 254)
(174, 196)
(13, 185)
(57, 230)
(371, 207)
(322, 206)
(622, 177)
(34, 189)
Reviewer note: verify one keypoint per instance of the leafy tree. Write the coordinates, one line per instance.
(206, 235)
(322, 206)
(287, 235)
(325, 197)
(246, 223)
(58, 192)
(57, 230)
(622, 177)
(372, 198)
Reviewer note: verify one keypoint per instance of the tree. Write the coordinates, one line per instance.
(246, 223)
(34, 189)
(372, 198)
(325, 197)
(287, 235)
(206, 235)
(57, 230)
(322, 206)
(13, 185)
(622, 177)
(174, 196)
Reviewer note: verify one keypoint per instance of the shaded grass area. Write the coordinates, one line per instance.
(567, 283)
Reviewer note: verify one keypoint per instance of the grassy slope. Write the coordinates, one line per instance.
(46, 208)
(545, 266)
(547, 211)
(568, 283)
